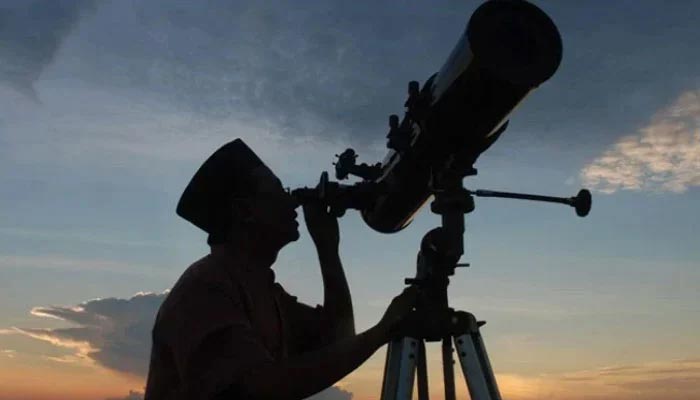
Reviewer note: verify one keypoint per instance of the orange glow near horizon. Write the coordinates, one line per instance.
(46, 382)
(671, 380)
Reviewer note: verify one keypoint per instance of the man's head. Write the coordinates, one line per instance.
(234, 193)
(268, 212)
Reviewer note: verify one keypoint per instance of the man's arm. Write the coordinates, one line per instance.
(338, 315)
(337, 303)
(311, 372)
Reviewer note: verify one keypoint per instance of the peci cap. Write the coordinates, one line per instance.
(225, 174)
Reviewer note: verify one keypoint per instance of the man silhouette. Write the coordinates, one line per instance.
(227, 330)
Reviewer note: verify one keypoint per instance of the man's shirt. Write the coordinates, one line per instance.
(221, 321)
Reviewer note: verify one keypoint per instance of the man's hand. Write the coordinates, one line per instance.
(322, 226)
(400, 307)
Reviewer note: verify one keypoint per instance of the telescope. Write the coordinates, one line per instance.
(508, 49)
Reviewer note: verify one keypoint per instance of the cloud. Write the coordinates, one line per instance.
(332, 393)
(32, 32)
(323, 63)
(663, 156)
(336, 69)
(133, 395)
(670, 380)
(115, 334)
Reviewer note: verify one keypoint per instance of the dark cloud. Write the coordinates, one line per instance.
(316, 69)
(336, 69)
(31, 33)
(116, 333)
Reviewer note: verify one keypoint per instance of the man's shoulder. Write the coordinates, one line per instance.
(206, 271)
(203, 279)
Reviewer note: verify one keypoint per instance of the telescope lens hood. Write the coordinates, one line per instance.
(515, 41)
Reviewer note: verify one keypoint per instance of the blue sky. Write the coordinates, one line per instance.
(105, 117)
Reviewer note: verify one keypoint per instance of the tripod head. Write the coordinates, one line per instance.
(440, 251)
(442, 247)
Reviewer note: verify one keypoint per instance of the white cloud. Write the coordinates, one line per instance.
(662, 156)
(71, 338)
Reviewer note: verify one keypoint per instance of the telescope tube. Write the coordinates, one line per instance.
(508, 48)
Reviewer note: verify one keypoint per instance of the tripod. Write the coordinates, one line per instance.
(433, 319)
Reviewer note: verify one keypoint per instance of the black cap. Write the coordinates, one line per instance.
(224, 175)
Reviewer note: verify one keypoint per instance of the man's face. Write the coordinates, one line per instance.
(273, 209)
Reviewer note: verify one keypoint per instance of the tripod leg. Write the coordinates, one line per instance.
(399, 369)
(448, 368)
(422, 372)
(476, 366)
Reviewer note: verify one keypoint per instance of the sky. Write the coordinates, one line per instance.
(107, 107)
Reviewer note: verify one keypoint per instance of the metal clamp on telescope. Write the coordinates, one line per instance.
(508, 49)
